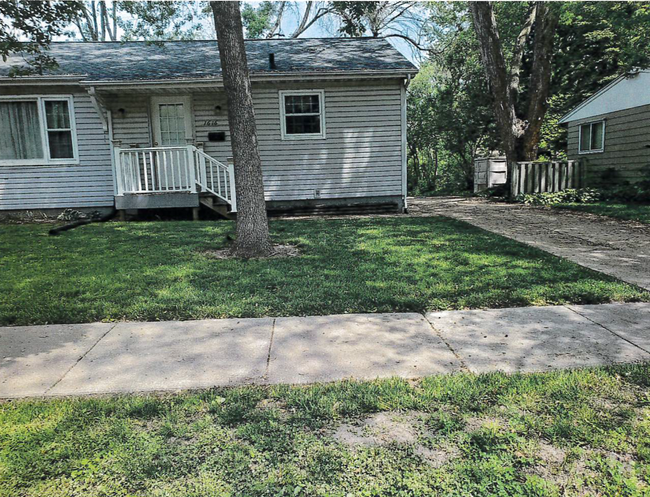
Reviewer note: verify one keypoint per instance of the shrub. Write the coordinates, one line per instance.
(580, 196)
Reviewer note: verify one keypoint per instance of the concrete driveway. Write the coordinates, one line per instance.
(618, 248)
(101, 358)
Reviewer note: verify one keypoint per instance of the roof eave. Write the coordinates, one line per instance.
(263, 76)
(40, 80)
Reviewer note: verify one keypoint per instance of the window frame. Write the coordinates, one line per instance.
(42, 117)
(283, 115)
(602, 143)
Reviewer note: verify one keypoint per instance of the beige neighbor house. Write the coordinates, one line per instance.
(136, 125)
(610, 131)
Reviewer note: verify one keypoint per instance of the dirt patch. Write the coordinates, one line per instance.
(392, 428)
(278, 251)
(437, 457)
(383, 428)
(476, 423)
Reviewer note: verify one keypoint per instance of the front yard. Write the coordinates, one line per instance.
(159, 271)
(627, 211)
(563, 433)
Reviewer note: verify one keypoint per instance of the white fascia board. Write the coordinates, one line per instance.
(319, 76)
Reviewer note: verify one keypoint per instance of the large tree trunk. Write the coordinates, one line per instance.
(494, 65)
(252, 225)
(540, 78)
(520, 137)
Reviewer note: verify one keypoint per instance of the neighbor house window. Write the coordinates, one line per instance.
(302, 114)
(592, 137)
(37, 130)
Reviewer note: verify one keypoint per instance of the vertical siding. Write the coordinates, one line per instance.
(87, 184)
(627, 146)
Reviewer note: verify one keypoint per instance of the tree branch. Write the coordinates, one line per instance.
(518, 53)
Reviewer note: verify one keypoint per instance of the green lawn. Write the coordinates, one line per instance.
(158, 271)
(564, 433)
(632, 212)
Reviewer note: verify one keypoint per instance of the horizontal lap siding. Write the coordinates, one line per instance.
(87, 184)
(360, 156)
(627, 141)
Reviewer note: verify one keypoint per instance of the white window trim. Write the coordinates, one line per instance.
(602, 144)
(283, 116)
(40, 101)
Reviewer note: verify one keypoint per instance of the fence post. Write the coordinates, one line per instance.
(514, 181)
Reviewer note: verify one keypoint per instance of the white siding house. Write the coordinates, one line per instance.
(136, 125)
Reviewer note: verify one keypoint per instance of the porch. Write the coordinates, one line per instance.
(172, 176)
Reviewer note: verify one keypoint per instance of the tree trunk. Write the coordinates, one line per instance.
(252, 225)
(520, 137)
(540, 78)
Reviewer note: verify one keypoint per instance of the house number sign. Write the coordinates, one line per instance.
(210, 122)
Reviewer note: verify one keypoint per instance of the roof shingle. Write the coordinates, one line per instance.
(116, 61)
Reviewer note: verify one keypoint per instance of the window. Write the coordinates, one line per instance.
(37, 130)
(592, 137)
(302, 114)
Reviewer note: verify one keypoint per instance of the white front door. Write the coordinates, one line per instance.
(172, 121)
(172, 127)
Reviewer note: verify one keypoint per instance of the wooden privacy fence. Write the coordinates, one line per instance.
(541, 177)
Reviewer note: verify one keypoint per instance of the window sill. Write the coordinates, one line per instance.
(589, 152)
(65, 162)
(303, 137)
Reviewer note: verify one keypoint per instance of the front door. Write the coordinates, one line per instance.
(172, 123)
(172, 127)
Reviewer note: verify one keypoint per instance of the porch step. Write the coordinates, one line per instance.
(219, 208)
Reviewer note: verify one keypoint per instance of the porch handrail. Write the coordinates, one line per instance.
(173, 169)
(215, 177)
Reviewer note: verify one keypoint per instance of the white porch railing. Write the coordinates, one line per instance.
(173, 169)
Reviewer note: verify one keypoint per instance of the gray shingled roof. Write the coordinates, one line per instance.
(115, 61)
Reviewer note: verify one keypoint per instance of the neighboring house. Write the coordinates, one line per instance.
(610, 131)
(140, 125)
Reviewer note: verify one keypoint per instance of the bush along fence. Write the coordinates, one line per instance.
(547, 177)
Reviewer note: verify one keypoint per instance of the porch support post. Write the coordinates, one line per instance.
(119, 172)
(231, 185)
(192, 167)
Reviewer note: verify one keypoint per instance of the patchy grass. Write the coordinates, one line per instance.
(583, 432)
(159, 271)
(630, 212)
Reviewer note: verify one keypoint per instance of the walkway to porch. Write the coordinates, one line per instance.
(178, 176)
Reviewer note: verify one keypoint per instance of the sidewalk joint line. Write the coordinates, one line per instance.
(451, 349)
(606, 328)
(268, 355)
(80, 359)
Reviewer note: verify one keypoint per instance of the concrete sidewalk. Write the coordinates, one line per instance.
(137, 357)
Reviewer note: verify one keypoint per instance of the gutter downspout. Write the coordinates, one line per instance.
(404, 85)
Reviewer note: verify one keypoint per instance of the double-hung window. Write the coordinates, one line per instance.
(592, 137)
(37, 130)
(302, 114)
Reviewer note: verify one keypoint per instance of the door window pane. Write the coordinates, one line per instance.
(20, 131)
(172, 124)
